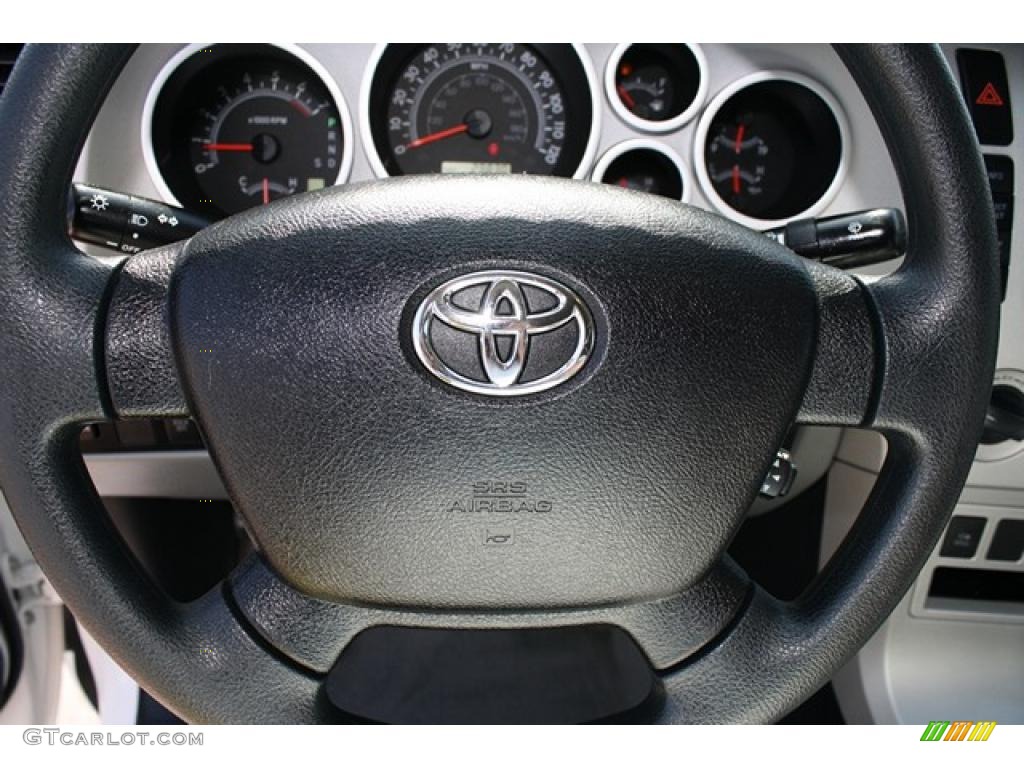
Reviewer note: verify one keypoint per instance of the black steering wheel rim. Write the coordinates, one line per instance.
(911, 355)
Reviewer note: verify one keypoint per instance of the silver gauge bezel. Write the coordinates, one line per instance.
(156, 87)
(704, 124)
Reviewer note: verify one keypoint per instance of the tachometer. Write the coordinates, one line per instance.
(481, 108)
(235, 126)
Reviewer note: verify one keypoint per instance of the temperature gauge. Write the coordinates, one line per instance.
(771, 148)
(750, 161)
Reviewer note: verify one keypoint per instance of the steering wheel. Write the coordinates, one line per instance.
(304, 338)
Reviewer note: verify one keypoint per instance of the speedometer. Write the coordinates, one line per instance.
(482, 108)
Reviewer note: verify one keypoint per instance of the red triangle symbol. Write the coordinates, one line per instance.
(989, 97)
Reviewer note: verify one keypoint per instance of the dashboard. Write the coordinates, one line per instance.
(761, 134)
(227, 126)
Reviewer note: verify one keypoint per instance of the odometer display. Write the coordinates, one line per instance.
(481, 108)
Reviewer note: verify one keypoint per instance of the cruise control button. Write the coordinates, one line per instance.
(780, 476)
(962, 536)
(1008, 541)
(983, 78)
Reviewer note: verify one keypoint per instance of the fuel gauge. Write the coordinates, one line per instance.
(656, 87)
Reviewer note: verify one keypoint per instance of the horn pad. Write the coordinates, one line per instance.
(477, 393)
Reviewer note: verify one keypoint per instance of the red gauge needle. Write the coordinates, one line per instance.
(228, 147)
(302, 108)
(628, 100)
(430, 138)
(266, 190)
(739, 137)
(736, 189)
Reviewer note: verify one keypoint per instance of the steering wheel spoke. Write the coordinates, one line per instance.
(140, 368)
(842, 381)
(313, 632)
(236, 665)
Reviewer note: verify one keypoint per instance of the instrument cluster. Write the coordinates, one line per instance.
(227, 126)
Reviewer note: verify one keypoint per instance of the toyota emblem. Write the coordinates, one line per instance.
(503, 333)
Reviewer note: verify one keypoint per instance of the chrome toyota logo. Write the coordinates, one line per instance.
(503, 333)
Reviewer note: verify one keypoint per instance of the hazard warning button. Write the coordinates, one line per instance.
(983, 78)
(989, 97)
